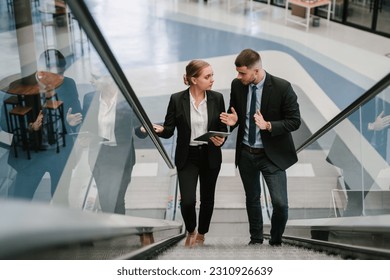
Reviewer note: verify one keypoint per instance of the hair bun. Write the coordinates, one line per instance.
(185, 80)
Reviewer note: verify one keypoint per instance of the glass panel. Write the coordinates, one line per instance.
(281, 3)
(338, 10)
(360, 12)
(383, 23)
(375, 117)
(347, 170)
(76, 140)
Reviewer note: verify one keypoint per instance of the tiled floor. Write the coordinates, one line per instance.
(153, 40)
(332, 64)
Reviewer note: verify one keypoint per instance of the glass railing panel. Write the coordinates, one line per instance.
(375, 131)
(346, 171)
(83, 143)
(136, 50)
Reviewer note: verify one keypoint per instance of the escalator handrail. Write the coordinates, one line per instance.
(367, 96)
(153, 250)
(87, 22)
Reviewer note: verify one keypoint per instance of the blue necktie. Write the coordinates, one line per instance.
(252, 124)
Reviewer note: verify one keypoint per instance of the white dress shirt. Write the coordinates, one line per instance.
(106, 120)
(199, 119)
(259, 91)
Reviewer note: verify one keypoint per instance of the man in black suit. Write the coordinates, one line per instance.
(264, 142)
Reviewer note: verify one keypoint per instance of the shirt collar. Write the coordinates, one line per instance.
(192, 99)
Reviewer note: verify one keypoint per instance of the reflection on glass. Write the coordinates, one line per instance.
(79, 132)
(383, 23)
(108, 129)
(351, 163)
(46, 128)
(360, 13)
(338, 10)
(370, 14)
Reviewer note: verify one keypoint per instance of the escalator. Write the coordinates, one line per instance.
(347, 223)
(338, 189)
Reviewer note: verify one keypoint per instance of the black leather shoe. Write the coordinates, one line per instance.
(275, 243)
(255, 242)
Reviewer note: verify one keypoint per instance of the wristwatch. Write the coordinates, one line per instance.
(269, 126)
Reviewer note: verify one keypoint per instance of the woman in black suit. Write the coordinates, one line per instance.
(111, 125)
(194, 112)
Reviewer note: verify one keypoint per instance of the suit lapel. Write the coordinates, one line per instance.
(265, 96)
(210, 108)
(244, 96)
(186, 106)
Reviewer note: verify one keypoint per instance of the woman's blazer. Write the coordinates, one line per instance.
(178, 116)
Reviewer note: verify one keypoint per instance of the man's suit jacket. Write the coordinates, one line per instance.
(280, 107)
(178, 116)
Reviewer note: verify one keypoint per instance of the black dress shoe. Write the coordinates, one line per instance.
(275, 243)
(255, 242)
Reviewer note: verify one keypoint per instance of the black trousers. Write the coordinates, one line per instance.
(197, 167)
(112, 173)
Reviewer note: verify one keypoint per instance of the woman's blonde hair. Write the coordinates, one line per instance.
(193, 69)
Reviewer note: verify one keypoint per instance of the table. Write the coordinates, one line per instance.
(27, 86)
(29, 89)
(308, 5)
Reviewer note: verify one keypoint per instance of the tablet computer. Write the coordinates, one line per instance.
(205, 137)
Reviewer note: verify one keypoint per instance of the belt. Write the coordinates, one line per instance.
(252, 150)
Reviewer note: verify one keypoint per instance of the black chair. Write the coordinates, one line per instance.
(9, 103)
(19, 116)
(54, 110)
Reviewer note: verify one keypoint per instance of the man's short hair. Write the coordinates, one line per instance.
(248, 58)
